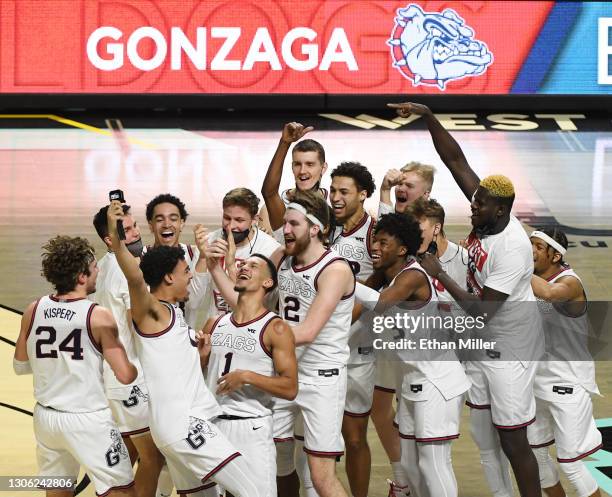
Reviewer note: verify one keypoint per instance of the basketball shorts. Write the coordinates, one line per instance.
(194, 460)
(320, 400)
(568, 423)
(425, 415)
(360, 388)
(505, 387)
(253, 438)
(132, 412)
(388, 376)
(65, 441)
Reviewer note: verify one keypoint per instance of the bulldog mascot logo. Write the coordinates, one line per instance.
(432, 48)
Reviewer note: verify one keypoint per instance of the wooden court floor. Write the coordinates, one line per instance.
(54, 180)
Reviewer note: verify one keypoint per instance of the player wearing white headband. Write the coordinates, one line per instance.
(316, 290)
(565, 380)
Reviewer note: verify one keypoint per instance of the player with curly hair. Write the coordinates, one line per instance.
(63, 341)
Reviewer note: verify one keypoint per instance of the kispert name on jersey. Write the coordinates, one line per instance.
(241, 346)
(66, 360)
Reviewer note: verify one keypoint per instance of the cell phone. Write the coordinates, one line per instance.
(118, 195)
(432, 248)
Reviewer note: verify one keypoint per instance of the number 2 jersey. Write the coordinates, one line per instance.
(241, 346)
(297, 289)
(66, 360)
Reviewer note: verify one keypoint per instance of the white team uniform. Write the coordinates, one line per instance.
(247, 412)
(181, 406)
(502, 380)
(355, 247)
(454, 263)
(129, 403)
(192, 309)
(565, 381)
(262, 243)
(72, 421)
(321, 364)
(432, 382)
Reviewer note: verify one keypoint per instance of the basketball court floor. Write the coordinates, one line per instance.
(56, 173)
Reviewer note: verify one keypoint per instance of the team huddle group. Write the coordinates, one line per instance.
(244, 364)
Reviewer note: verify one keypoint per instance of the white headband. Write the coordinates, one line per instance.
(310, 217)
(543, 236)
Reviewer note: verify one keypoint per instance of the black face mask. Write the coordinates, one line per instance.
(135, 248)
(239, 236)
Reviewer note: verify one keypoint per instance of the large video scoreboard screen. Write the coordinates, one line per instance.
(310, 47)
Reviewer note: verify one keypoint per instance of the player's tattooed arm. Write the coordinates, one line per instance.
(447, 147)
(279, 339)
(105, 332)
(275, 206)
(335, 281)
(21, 361)
(563, 290)
(146, 310)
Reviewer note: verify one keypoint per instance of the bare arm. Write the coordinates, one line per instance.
(105, 332)
(279, 338)
(392, 178)
(485, 306)
(563, 290)
(448, 149)
(21, 349)
(204, 342)
(334, 281)
(271, 185)
(143, 304)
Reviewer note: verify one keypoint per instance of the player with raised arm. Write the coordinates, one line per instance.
(316, 298)
(308, 166)
(351, 238)
(249, 360)
(432, 384)
(181, 405)
(166, 215)
(63, 341)
(240, 206)
(129, 403)
(565, 379)
(411, 182)
(499, 277)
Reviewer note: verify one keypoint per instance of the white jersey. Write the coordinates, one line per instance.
(262, 243)
(198, 285)
(504, 262)
(241, 346)
(440, 367)
(65, 358)
(112, 292)
(355, 247)
(297, 290)
(567, 360)
(177, 390)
